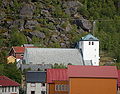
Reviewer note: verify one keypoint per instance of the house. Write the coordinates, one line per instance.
(11, 59)
(35, 82)
(57, 81)
(18, 51)
(8, 86)
(85, 53)
(118, 83)
(92, 79)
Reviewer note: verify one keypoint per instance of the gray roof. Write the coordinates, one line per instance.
(35, 76)
(89, 37)
(34, 67)
(52, 56)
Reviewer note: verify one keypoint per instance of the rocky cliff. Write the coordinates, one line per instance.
(50, 23)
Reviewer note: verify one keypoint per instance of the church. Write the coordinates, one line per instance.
(86, 52)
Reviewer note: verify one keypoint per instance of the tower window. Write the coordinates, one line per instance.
(89, 43)
(92, 43)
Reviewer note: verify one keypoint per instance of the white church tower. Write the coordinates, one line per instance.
(89, 46)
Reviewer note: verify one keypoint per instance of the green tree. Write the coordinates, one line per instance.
(11, 71)
(17, 38)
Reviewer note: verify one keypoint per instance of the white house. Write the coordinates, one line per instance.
(89, 46)
(35, 82)
(8, 86)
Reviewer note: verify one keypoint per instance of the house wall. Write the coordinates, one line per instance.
(90, 52)
(37, 87)
(11, 59)
(92, 86)
(52, 87)
(5, 90)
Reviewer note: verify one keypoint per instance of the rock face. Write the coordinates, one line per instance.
(30, 24)
(83, 23)
(27, 11)
(37, 34)
(53, 23)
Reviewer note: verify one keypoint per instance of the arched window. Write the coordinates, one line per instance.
(89, 43)
(92, 43)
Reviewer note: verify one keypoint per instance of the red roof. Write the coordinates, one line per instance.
(118, 78)
(92, 71)
(5, 81)
(19, 49)
(56, 75)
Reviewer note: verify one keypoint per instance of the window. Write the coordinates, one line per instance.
(2, 89)
(89, 43)
(43, 84)
(32, 92)
(61, 87)
(8, 89)
(92, 43)
(15, 89)
(22, 55)
(32, 84)
(56, 87)
(42, 92)
(5, 89)
(12, 89)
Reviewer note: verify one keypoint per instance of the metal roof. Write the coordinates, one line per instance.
(89, 37)
(52, 56)
(36, 77)
(92, 71)
(5, 81)
(56, 75)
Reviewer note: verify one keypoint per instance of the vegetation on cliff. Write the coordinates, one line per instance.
(59, 23)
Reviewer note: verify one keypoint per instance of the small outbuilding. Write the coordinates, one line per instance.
(92, 79)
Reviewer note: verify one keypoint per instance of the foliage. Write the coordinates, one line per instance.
(17, 38)
(59, 66)
(11, 71)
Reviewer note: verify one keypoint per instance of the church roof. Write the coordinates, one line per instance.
(52, 56)
(89, 37)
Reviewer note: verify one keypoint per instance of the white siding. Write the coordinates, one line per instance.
(37, 88)
(91, 52)
(5, 90)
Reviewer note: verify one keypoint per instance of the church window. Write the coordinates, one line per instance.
(92, 43)
(89, 43)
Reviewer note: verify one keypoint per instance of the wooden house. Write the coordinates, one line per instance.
(57, 81)
(92, 79)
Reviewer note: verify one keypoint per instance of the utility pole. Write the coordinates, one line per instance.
(94, 27)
